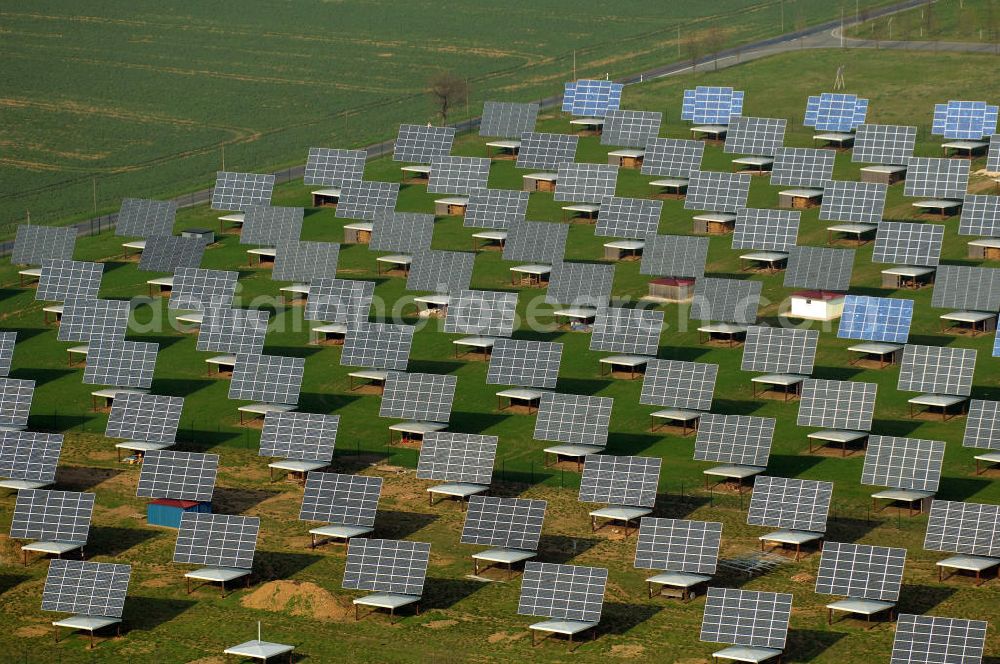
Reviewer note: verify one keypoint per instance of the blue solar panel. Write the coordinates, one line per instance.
(996, 346)
(835, 112)
(712, 105)
(964, 119)
(876, 319)
(593, 98)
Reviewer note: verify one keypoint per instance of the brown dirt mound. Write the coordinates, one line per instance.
(300, 598)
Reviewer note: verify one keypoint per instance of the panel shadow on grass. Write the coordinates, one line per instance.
(682, 353)
(793, 465)
(148, 613)
(112, 541)
(393, 524)
(618, 618)
(960, 488)
(915, 598)
(736, 407)
(835, 373)
(81, 478)
(848, 529)
(676, 506)
(895, 427)
(291, 351)
(807, 644)
(561, 549)
(227, 500)
(474, 422)
(10, 581)
(582, 386)
(434, 366)
(40, 376)
(270, 565)
(444, 593)
(631, 444)
(180, 387)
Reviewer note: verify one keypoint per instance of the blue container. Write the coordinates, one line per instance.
(167, 512)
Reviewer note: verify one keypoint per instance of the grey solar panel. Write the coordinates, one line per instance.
(225, 330)
(178, 475)
(802, 167)
(903, 463)
(418, 396)
(120, 363)
(620, 480)
(238, 191)
(621, 330)
(746, 618)
(937, 369)
(488, 313)
(268, 225)
(717, 192)
(34, 244)
(504, 522)
(29, 456)
(935, 640)
(567, 592)
(678, 545)
(837, 404)
(91, 320)
(726, 300)
(883, 144)
(86, 588)
(382, 565)
(267, 378)
(367, 200)
(936, 177)
(781, 502)
(457, 457)
(142, 217)
(302, 436)
(819, 268)
(546, 151)
(672, 157)
(170, 252)
(631, 129)
(63, 280)
(632, 218)
(339, 300)
(458, 175)
(780, 350)
(495, 208)
(982, 426)
(580, 284)
(766, 230)
(405, 232)
(7, 342)
(740, 439)
(524, 363)
(859, 571)
(993, 156)
(674, 256)
(15, 401)
(296, 260)
(756, 136)
(377, 345)
(910, 244)
(219, 540)
(198, 289)
(971, 529)
(858, 202)
(967, 287)
(535, 241)
(440, 271)
(349, 500)
(334, 168)
(507, 119)
(148, 418)
(422, 143)
(678, 384)
(573, 418)
(980, 216)
(61, 516)
(586, 183)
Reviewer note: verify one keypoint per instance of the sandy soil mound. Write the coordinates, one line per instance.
(300, 598)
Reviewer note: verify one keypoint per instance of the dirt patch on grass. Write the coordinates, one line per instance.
(212, 659)
(31, 631)
(441, 624)
(300, 598)
(627, 652)
(803, 577)
(498, 637)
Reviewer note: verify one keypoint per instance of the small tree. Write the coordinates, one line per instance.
(447, 90)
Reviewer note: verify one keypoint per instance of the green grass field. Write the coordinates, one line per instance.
(296, 592)
(116, 99)
(948, 20)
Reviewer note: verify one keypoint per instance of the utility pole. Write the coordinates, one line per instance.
(93, 181)
(223, 148)
(890, 27)
(782, 3)
(678, 41)
(842, 27)
(574, 64)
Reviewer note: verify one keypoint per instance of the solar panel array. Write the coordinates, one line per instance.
(271, 225)
(632, 218)
(573, 418)
(7, 343)
(835, 112)
(524, 363)
(513, 523)
(232, 330)
(967, 528)
(739, 439)
(678, 545)
(935, 640)
(91, 320)
(406, 232)
(767, 230)
(296, 260)
(802, 167)
(717, 192)
(29, 456)
(507, 119)
(63, 280)
(535, 241)
(218, 540)
(982, 425)
(970, 120)
(857, 202)
(457, 457)
(711, 104)
(837, 404)
(339, 300)
(167, 253)
(495, 208)
(488, 313)
(267, 378)
(746, 617)
(440, 271)
(34, 244)
(884, 144)
(367, 200)
(60, 516)
(859, 571)
(142, 217)
(418, 396)
(967, 287)
(198, 289)
(937, 369)
(621, 330)
(382, 565)
(238, 191)
(586, 183)
(86, 588)
(903, 463)
(178, 475)
(727, 300)
(330, 167)
(15, 401)
(780, 350)
(120, 363)
(593, 98)
(936, 177)
(679, 384)
(580, 284)
(876, 319)
(620, 480)
(348, 500)
(567, 592)
(377, 345)
(458, 175)
(980, 216)
(546, 151)
(819, 268)
(304, 436)
(672, 157)
(756, 136)
(149, 418)
(674, 256)
(630, 128)
(909, 244)
(781, 502)
(422, 143)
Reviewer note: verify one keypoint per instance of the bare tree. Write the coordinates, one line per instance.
(713, 42)
(693, 46)
(447, 90)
